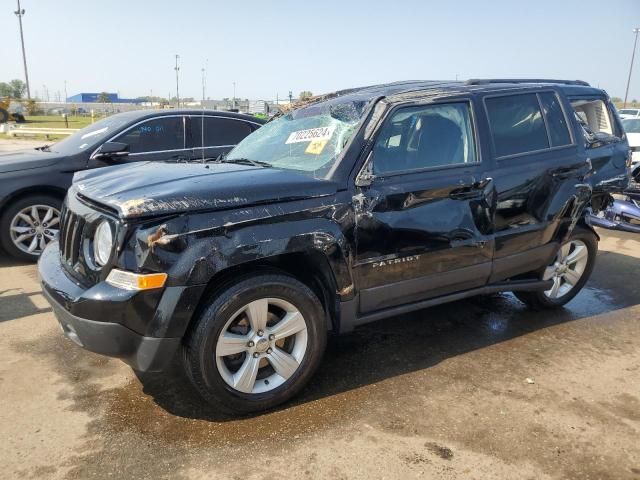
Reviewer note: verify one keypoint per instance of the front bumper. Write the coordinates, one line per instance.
(144, 328)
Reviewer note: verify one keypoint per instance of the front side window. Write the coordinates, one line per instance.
(155, 135)
(516, 124)
(414, 138)
(308, 140)
(217, 132)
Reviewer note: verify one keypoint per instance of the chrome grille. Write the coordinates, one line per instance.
(72, 226)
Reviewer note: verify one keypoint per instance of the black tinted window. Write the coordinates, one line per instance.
(516, 124)
(218, 131)
(165, 133)
(422, 137)
(556, 121)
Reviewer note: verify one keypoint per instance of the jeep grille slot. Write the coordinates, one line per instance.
(71, 236)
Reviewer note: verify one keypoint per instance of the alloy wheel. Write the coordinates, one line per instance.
(34, 227)
(261, 346)
(567, 268)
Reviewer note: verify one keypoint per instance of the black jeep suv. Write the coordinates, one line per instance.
(351, 207)
(33, 183)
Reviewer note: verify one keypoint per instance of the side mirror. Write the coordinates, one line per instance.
(112, 150)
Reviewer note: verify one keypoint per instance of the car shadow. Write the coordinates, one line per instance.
(420, 340)
(19, 305)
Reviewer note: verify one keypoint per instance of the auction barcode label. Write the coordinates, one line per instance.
(322, 133)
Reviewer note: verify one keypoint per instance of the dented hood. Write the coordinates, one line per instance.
(153, 188)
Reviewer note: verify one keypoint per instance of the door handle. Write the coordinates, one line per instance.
(472, 190)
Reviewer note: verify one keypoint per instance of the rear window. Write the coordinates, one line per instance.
(516, 124)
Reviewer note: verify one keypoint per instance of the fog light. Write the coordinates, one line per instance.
(136, 281)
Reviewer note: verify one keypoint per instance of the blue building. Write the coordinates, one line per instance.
(93, 98)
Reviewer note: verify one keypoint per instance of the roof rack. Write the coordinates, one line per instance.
(480, 81)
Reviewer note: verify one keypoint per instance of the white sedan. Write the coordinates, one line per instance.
(632, 128)
(629, 113)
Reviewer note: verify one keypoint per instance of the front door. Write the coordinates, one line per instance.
(424, 226)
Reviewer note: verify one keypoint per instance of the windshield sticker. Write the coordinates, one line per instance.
(95, 132)
(316, 146)
(322, 133)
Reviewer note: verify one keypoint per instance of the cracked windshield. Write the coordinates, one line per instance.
(309, 139)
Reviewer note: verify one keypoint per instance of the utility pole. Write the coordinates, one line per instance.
(65, 92)
(177, 69)
(290, 96)
(19, 13)
(633, 54)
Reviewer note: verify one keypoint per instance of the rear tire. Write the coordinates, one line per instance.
(582, 246)
(240, 356)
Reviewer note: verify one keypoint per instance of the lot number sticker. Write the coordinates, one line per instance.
(322, 133)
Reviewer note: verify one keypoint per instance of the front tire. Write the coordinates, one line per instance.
(257, 344)
(29, 224)
(570, 270)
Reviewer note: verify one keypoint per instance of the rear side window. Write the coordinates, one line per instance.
(556, 121)
(422, 137)
(218, 131)
(516, 124)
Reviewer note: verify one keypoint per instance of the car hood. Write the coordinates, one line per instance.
(153, 188)
(633, 139)
(27, 160)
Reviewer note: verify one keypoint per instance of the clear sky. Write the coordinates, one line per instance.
(269, 48)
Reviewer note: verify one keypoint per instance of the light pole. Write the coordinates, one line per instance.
(19, 13)
(633, 54)
(203, 70)
(177, 69)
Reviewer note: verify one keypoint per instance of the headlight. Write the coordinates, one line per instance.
(102, 243)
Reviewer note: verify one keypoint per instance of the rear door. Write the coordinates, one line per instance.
(211, 136)
(538, 169)
(424, 224)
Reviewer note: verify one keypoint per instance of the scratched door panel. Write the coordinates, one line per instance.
(422, 237)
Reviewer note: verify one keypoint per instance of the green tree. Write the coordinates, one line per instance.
(14, 89)
(18, 88)
(305, 95)
(616, 100)
(104, 98)
(5, 89)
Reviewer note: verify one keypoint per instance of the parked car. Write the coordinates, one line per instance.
(355, 206)
(631, 127)
(629, 113)
(35, 182)
(623, 213)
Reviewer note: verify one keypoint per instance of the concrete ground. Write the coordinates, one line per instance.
(442, 393)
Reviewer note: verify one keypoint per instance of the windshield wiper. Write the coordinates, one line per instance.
(244, 161)
(44, 148)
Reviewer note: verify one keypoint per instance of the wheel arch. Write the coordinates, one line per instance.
(32, 190)
(310, 267)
